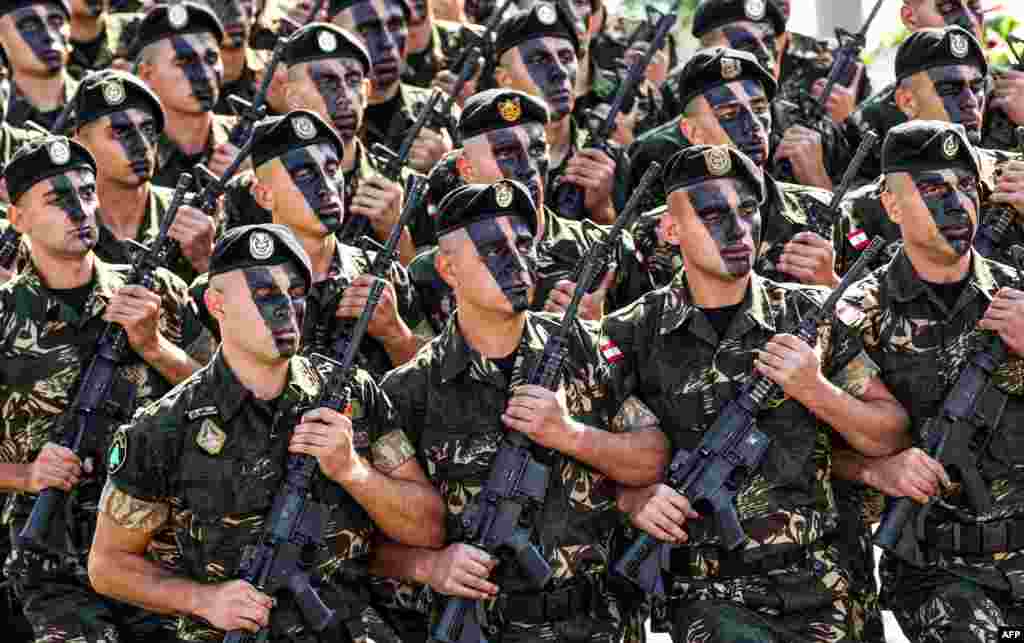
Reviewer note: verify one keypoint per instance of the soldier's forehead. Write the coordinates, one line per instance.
(730, 187)
(197, 41)
(757, 28)
(948, 175)
(370, 10)
(550, 43)
(954, 72)
(738, 89)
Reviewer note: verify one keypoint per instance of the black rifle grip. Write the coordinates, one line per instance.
(895, 518)
(35, 534)
(641, 564)
(459, 623)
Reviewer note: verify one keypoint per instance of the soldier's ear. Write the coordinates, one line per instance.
(890, 202)
(908, 16)
(445, 267)
(502, 78)
(214, 300)
(905, 99)
(688, 128)
(668, 225)
(14, 216)
(262, 194)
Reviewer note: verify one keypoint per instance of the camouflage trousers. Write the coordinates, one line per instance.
(957, 611)
(857, 553)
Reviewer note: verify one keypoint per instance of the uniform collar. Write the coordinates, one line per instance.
(679, 307)
(105, 281)
(905, 285)
(229, 394)
(457, 356)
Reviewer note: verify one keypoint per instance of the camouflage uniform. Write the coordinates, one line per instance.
(560, 253)
(115, 42)
(804, 61)
(789, 210)
(446, 43)
(111, 250)
(46, 348)
(863, 217)
(788, 583)
(578, 140)
(455, 398)
(216, 495)
(171, 162)
(920, 347)
(20, 110)
(320, 326)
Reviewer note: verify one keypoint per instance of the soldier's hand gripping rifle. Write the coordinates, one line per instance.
(569, 197)
(251, 113)
(111, 349)
(517, 483)
(415, 192)
(295, 522)
(990, 235)
(948, 439)
(713, 473)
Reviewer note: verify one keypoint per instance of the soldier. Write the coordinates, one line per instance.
(208, 459)
(537, 53)
(297, 161)
(52, 314)
(237, 18)
(120, 120)
(940, 76)
(34, 37)
(919, 318)
(720, 320)
(100, 39)
(383, 26)
(467, 388)
(504, 136)
(179, 58)
(433, 44)
(728, 101)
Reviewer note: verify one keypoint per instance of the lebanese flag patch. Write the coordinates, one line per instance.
(858, 239)
(611, 352)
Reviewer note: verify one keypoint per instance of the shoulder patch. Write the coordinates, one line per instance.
(118, 453)
(210, 437)
(201, 412)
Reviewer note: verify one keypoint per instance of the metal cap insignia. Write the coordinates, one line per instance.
(503, 195)
(958, 45)
(60, 152)
(304, 127)
(328, 42)
(755, 9)
(261, 246)
(950, 146)
(113, 92)
(546, 14)
(177, 16)
(510, 109)
(718, 161)
(731, 68)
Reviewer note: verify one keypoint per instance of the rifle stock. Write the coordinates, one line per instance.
(712, 474)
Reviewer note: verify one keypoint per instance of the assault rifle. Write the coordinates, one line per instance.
(415, 192)
(517, 482)
(948, 439)
(991, 234)
(111, 350)
(569, 196)
(295, 522)
(251, 113)
(713, 473)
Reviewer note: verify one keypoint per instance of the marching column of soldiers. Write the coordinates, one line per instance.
(384, 321)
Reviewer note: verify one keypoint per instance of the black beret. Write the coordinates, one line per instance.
(700, 163)
(543, 19)
(710, 68)
(479, 202)
(108, 91)
(166, 20)
(13, 5)
(497, 109)
(930, 48)
(712, 14)
(41, 158)
(299, 128)
(264, 244)
(321, 40)
(334, 7)
(919, 146)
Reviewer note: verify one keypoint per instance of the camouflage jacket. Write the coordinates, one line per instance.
(578, 140)
(663, 350)
(112, 250)
(920, 347)
(446, 42)
(455, 398)
(114, 43)
(171, 162)
(560, 254)
(46, 348)
(862, 216)
(321, 329)
(804, 61)
(208, 458)
(789, 210)
(411, 100)
(20, 110)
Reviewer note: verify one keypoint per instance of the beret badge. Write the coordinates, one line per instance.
(304, 128)
(958, 45)
(510, 109)
(177, 16)
(113, 92)
(950, 146)
(546, 14)
(503, 195)
(327, 42)
(60, 153)
(718, 161)
(755, 9)
(261, 246)
(730, 68)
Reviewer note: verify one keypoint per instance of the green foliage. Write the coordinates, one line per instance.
(998, 30)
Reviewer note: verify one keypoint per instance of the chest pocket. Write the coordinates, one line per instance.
(915, 379)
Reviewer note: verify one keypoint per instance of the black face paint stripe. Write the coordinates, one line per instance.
(555, 80)
(723, 221)
(525, 166)
(32, 24)
(504, 260)
(747, 131)
(321, 191)
(135, 144)
(275, 307)
(203, 88)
